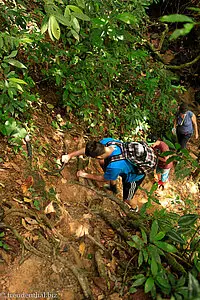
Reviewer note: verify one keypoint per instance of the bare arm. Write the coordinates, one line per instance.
(91, 176)
(194, 122)
(67, 157)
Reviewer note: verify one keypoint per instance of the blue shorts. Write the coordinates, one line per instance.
(164, 173)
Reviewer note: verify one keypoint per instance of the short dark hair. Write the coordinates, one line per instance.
(94, 149)
(151, 138)
(183, 108)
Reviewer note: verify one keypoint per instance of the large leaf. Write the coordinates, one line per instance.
(166, 247)
(12, 54)
(75, 8)
(55, 28)
(183, 31)
(149, 285)
(127, 18)
(17, 80)
(75, 34)
(75, 24)
(187, 220)
(139, 281)
(170, 144)
(140, 258)
(81, 3)
(176, 18)
(193, 287)
(154, 267)
(154, 230)
(175, 236)
(44, 25)
(81, 16)
(159, 236)
(15, 63)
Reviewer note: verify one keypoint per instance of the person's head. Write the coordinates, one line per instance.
(94, 149)
(152, 139)
(183, 108)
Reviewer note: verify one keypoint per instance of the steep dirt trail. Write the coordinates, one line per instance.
(71, 210)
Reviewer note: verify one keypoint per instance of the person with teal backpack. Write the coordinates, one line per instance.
(131, 161)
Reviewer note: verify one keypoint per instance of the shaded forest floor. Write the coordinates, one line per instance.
(58, 235)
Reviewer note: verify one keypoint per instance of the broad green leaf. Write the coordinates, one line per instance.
(176, 18)
(140, 258)
(181, 282)
(170, 144)
(1, 43)
(127, 18)
(10, 126)
(144, 236)
(25, 40)
(81, 3)
(183, 31)
(159, 236)
(75, 24)
(21, 133)
(187, 220)
(12, 54)
(1, 85)
(18, 86)
(166, 247)
(177, 146)
(49, 30)
(132, 290)
(175, 236)
(194, 9)
(67, 13)
(139, 281)
(17, 80)
(154, 230)
(153, 188)
(139, 244)
(75, 9)
(163, 281)
(6, 247)
(145, 254)
(2, 234)
(64, 20)
(81, 16)
(154, 267)
(99, 22)
(15, 63)
(173, 158)
(184, 291)
(193, 287)
(130, 243)
(75, 34)
(55, 28)
(148, 285)
(44, 28)
(154, 252)
(1, 243)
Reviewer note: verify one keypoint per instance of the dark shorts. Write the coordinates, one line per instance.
(130, 188)
(183, 138)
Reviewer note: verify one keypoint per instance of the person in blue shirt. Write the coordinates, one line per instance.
(185, 124)
(123, 168)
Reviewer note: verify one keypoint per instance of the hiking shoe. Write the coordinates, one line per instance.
(136, 209)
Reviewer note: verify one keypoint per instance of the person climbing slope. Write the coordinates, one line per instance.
(130, 161)
(163, 168)
(185, 124)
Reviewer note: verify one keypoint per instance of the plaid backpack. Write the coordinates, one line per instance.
(137, 153)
